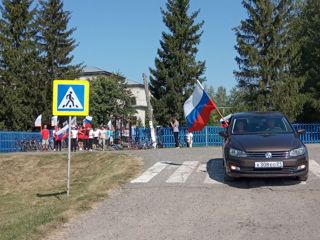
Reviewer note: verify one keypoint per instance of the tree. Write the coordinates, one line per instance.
(18, 65)
(222, 102)
(308, 34)
(266, 50)
(110, 97)
(56, 45)
(176, 69)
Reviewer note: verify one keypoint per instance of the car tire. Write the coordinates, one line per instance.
(303, 178)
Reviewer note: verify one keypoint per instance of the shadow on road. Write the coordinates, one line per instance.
(215, 171)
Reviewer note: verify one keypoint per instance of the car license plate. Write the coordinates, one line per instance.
(278, 164)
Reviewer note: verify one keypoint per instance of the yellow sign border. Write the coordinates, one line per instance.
(86, 85)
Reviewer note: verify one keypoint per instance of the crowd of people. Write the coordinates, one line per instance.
(83, 138)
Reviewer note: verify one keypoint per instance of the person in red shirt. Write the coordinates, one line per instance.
(45, 138)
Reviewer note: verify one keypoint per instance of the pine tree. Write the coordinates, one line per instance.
(56, 45)
(18, 65)
(266, 50)
(176, 69)
(308, 35)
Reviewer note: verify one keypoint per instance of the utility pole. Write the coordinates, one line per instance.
(150, 111)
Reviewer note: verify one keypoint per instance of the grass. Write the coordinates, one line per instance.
(32, 188)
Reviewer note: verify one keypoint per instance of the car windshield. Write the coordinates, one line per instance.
(260, 125)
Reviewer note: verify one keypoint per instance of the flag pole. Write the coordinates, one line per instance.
(199, 83)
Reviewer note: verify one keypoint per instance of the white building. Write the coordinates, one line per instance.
(136, 88)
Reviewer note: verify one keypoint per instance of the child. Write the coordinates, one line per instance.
(189, 139)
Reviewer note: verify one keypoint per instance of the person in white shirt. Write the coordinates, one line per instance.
(74, 139)
(189, 139)
(90, 139)
(103, 138)
(96, 134)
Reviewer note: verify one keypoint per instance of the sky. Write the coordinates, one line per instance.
(123, 36)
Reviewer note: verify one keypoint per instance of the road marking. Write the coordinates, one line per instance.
(314, 168)
(183, 172)
(150, 173)
(202, 168)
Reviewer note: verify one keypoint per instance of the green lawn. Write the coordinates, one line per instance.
(32, 188)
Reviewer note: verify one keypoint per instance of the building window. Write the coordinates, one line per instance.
(133, 101)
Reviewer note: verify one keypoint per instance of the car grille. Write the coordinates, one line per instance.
(263, 154)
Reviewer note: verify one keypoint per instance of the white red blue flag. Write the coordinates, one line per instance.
(197, 108)
(87, 122)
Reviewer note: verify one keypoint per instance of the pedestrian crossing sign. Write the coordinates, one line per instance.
(70, 98)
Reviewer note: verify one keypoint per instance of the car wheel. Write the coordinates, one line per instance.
(303, 178)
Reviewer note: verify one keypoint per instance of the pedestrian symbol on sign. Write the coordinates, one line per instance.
(70, 101)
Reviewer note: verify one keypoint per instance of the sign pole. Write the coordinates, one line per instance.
(69, 158)
(70, 98)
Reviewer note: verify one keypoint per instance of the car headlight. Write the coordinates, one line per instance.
(237, 153)
(297, 152)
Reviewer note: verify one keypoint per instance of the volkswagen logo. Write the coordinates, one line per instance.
(268, 155)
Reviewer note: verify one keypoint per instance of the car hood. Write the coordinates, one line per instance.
(271, 142)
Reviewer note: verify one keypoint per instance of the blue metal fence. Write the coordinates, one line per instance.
(9, 140)
(209, 136)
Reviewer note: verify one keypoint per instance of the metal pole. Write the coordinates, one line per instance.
(150, 111)
(69, 158)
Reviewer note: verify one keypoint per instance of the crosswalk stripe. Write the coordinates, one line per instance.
(314, 167)
(183, 172)
(150, 173)
(202, 168)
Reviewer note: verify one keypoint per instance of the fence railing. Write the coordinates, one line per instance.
(209, 136)
(9, 141)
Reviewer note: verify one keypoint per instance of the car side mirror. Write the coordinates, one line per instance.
(301, 131)
(223, 134)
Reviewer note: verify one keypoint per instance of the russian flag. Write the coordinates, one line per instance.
(87, 122)
(197, 108)
(63, 132)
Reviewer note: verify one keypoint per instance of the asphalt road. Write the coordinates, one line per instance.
(183, 196)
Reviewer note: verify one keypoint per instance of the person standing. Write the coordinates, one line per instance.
(189, 138)
(81, 138)
(175, 127)
(74, 140)
(45, 138)
(90, 139)
(57, 140)
(103, 138)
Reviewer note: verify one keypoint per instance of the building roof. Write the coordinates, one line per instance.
(134, 83)
(88, 70)
(92, 71)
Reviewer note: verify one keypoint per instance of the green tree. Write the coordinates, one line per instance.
(18, 66)
(308, 35)
(176, 69)
(110, 97)
(56, 45)
(266, 50)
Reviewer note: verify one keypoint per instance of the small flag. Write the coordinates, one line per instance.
(54, 121)
(87, 122)
(109, 125)
(37, 123)
(63, 132)
(197, 108)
